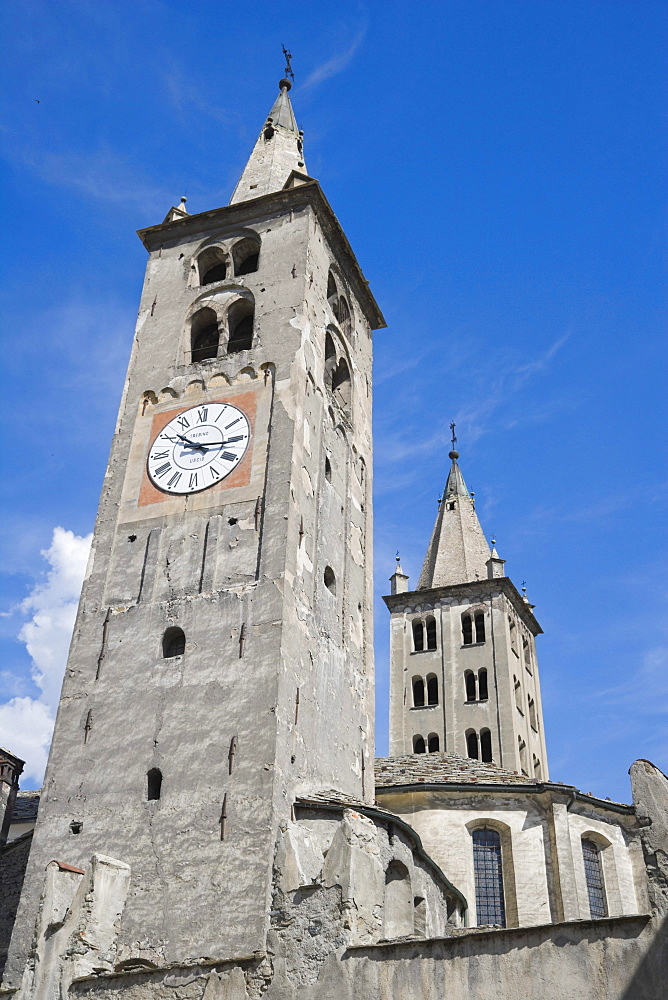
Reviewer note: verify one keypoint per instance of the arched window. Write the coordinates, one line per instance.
(488, 874)
(537, 770)
(480, 627)
(419, 745)
(204, 335)
(418, 635)
(467, 630)
(432, 689)
(518, 694)
(433, 742)
(343, 315)
(472, 744)
(398, 920)
(486, 746)
(513, 635)
(431, 632)
(328, 470)
(483, 693)
(523, 756)
(418, 692)
(245, 255)
(594, 878)
(526, 649)
(330, 579)
(240, 322)
(469, 680)
(332, 291)
(153, 783)
(341, 384)
(173, 642)
(211, 266)
(532, 714)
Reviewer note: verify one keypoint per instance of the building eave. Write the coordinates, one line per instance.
(528, 788)
(485, 587)
(309, 192)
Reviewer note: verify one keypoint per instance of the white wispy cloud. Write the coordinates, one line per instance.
(26, 723)
(336, 63)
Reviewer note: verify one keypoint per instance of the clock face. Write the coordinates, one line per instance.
(198, 448)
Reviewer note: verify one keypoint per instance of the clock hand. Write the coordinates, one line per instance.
(191, 444)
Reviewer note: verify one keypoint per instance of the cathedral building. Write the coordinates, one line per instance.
(213, 824)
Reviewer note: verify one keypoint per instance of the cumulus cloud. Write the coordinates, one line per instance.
(26, 723)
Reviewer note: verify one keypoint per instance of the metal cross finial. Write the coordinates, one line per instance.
(454, 436)
(288, 67)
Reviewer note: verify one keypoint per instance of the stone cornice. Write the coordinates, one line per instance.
(309, 193)
(486, 588)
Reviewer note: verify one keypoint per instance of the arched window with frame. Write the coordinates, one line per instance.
(483, 692)
(418, 634)
(522, 747)
(488, 876)
(480, 626)
(467, 630)
(469, 681)
(204, 335)
(431, 632)
(532, 714)
(486, 746)
(537, 770)
(240, 319)
(173, 642)
(472, 749)
(433, 742)
(212, 266)
(343, 315)
(398, 914)
(591, 856)
(432, 689)
(418, 692)
(419, 744)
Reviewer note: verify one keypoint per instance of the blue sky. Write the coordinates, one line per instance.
(498, 168)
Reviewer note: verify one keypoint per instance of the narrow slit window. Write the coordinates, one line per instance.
(432, 689)
(537, 770)
(419, 745)
(418, 635)
(523, 756)
(594, 877)
(153, 783)
(431, 633)
(418, 692)
(488, 873)
(518, 694)
(467, 630)
(483, 693)
(330, 579)
(173, 643)
(480, 627)
(469, 680)
(434, 743)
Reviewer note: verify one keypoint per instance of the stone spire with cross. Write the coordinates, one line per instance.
(279, 150)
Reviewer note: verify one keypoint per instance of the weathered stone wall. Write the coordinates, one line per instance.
(13, 863)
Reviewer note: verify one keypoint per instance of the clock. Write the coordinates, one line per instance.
(198, 448)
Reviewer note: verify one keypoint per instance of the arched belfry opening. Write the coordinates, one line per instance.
(246, 256)
(204, 335)
(212, 265)
(240, 320)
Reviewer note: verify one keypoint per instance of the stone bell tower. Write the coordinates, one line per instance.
(221, 663)
(463, 667)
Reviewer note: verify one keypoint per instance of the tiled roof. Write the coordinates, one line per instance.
(442, 769)
(25, 807)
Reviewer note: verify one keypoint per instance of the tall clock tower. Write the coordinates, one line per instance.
(221, 663)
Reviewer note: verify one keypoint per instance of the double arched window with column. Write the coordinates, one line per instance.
(479, 745)
(425, 690)
(231, 327)
(473, 628)
(424, 634)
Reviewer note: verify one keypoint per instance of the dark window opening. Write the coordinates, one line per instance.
(480, 627)
(594, 878)
(488, 874)
(342, 313)
(240, 320)
(418, 692)
(212, 266)
(432, 689)
(330, 579)
(469, 680)
(483, 694)
(341, 383)
(472, 745)
(486, 746)
(173, 642)
(419, 745)
(431, 633)
(216, 273)
(434, 743)
(328, 470)
(467, 630)
(76, 827)
(418, 636)
(331, 286)
(246, 256)
(205, 336)
(330, 356)
(153, 783)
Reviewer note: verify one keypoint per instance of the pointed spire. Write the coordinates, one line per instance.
(277, 153)
(458, 551)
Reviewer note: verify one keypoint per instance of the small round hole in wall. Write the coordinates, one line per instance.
(232, 520)
(132, 538)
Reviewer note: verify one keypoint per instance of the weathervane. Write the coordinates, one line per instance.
(288, 67)
(454, 437)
